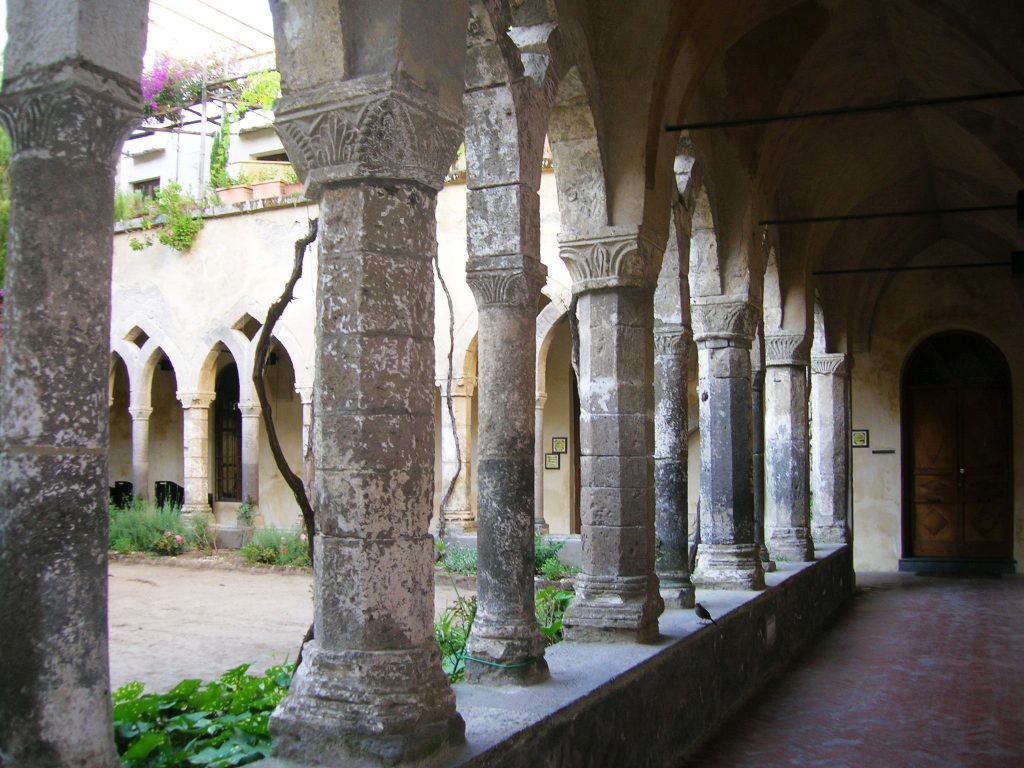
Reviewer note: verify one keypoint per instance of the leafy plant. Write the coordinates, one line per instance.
(271, 546)
(129, 205)
(459, 559)
(551, 603)
(219, 725)
(245, 513)
(543, 550)
(201, 535)
(175, 217)
(144, 527)
(451, 632)
(219, 153)
(554, 569)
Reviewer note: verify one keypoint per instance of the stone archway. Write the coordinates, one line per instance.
(957, 452)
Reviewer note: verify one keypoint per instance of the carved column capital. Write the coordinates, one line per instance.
(140, 413)
(505, 281)
(250, 409)
(367, 128)
(831, 364)
(612, 261)
(79, 114)
(786, 348)
(724, 319)
(195, 399)
(672, 340)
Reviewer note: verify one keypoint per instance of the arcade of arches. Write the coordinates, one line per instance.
(855, 380)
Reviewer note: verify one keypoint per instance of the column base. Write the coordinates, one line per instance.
(766, 559)
(610, 609)
(729, 566)
(541, 528)
(836, 533)
(371, 707)
(676, 590)
(792, 545)
(459, 521)
(188, 511)
(499, 655)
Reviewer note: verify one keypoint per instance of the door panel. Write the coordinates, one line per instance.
(959, 456)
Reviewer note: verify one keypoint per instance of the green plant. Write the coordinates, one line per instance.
(201, 537)
(245, 512)
(451, 632)
(459, 559)
(175, 216)
(551, 603)
(543, 550)
(218, 725)
(129, 205)
(271, 546)
(219, 153)
(144, 527)
(554, 569)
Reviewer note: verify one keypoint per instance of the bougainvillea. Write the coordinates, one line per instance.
(172, 85)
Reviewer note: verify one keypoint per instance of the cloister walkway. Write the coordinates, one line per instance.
(918, 672)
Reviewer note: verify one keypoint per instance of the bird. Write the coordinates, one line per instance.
(703, 613)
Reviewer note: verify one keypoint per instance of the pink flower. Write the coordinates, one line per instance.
(303, 537)
(179, 539)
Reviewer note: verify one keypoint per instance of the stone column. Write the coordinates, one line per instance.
(617, 594)
(540, 526)
(306, 398)
(830, 448)
(373, 157)
(505, 631)
(757, 400)
(787, 448)
(728, 556)
(140, 451)
(196, 438)
(671, 351)
(71, 93)
(458, 511)
(251, 415)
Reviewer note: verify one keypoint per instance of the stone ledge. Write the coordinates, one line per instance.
(627, 704)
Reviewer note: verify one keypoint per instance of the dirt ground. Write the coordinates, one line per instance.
(172, 619)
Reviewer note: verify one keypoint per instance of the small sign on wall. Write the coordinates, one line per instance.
(860, 438)
(559, 445)
(552, 461)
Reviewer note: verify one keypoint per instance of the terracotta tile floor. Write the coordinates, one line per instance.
(917, 672)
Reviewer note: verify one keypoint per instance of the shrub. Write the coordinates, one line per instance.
(551, 603)
(459, 559)
(543, 550)
(144, 527)
(554, 569)
(176, 217)
(220, 724)
(451, 632)
(272, 546)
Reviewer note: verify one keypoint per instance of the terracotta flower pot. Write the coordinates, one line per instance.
(236, 194)
(264, 189)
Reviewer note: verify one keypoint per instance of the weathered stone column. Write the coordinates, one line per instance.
(458, 511)
(728, 556)
(617, 593)
(540, 526)
(251, 416)
(195, 413)
(70, 94)
(140, 451)
(757, 401)
(373, 156)
(787, 448)
(671, 351)
(830, 448)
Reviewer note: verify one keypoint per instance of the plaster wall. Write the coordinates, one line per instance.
(914, 306)
(558, 416)
(276, 503)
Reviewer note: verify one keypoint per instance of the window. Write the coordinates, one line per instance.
(148, 187)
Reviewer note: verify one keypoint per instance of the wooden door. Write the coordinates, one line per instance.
(956, 399)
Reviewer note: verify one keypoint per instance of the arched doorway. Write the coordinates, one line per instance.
(228, 435)
(958, 497)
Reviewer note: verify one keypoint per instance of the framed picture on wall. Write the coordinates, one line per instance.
(552, 461)
(860, 438)
(559, 445)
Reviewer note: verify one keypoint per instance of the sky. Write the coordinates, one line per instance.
(194, 29)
